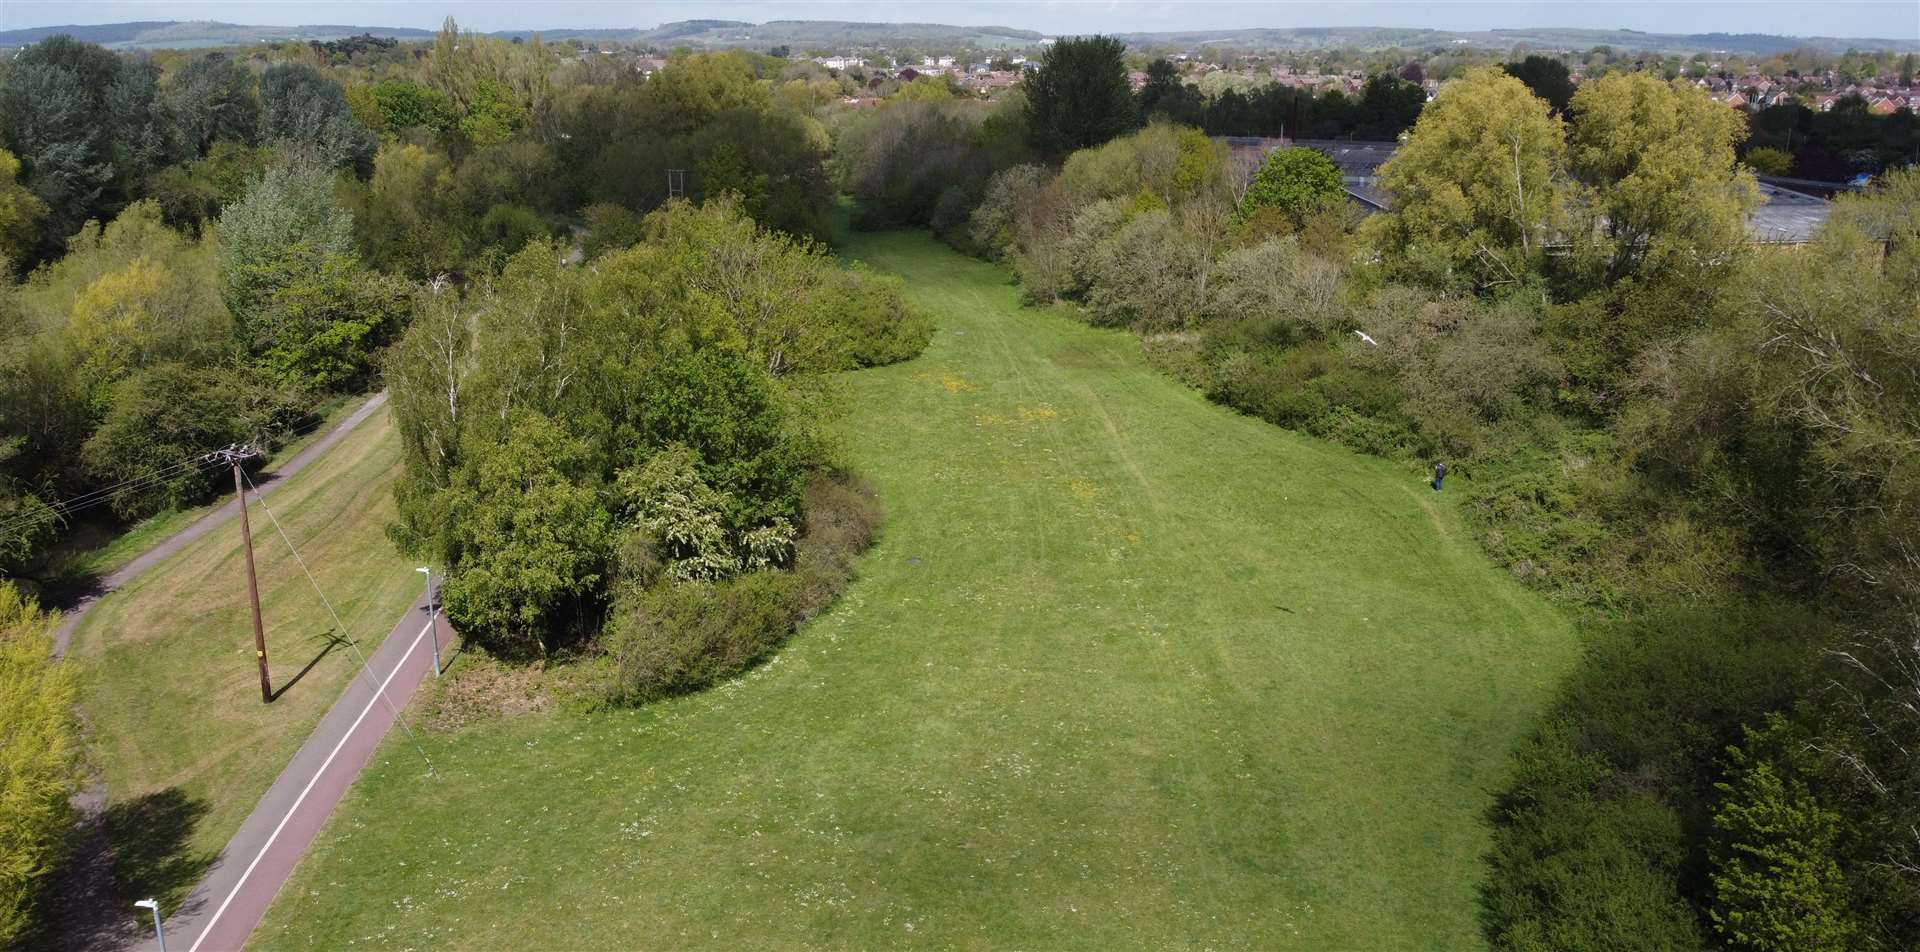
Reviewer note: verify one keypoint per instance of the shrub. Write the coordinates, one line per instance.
(505, 229)
(610, 228)
(997, 219)
(1584, 874)
(1776, 884)
(1148, 275)
(1600, 842)
(670, 638)
(882, 326)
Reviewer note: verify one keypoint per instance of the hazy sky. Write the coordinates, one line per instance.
(1896, 19)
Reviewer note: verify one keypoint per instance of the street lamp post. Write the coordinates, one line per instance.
(433, 619)
(158, 935)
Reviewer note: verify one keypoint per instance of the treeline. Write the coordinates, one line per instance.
(228, 241)
(1385, 106)
(1708, 446)
(1831, 146)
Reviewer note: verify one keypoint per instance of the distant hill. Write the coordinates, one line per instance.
(153, 35)
(837, 34)
(804, 34)
(1541, 38)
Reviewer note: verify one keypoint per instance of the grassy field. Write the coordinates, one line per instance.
(170, 687)
(1126, 671)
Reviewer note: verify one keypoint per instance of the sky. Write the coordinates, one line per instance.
(1893, 19)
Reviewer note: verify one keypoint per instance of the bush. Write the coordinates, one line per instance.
(1149, 275)
(671, 638)
(610, 228)
(1600, 842)
(882, 326)
(1296, 181)
(1585, 874)
(505, 229)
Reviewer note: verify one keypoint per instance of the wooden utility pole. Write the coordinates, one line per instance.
(235, 455)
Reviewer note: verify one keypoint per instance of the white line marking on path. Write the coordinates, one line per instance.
(378, 692)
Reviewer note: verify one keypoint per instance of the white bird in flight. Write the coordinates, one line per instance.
(1363, 336)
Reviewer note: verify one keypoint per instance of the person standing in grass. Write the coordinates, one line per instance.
(1439, 475)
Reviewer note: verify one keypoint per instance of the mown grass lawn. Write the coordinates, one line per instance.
(170, 688)
(1127, 670)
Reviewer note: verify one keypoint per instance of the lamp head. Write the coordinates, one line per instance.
(425, 569)
(146, 904)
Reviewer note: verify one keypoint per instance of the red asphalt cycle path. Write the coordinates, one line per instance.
(230, 900)
(223, 910)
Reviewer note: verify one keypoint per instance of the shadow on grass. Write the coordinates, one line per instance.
(151, 855)
(333, 640)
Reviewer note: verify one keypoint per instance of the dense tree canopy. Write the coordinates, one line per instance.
(1659, 162)
(1078, 97)
(1547, 77)
(1478, 186)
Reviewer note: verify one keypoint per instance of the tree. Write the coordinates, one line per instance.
(409, 228)
(724, 409)
(528, 535)
(1295, 180)
(1079, 96)
(282, 208)
(63, 101)
(212, 98)
(1659, 159)
(1476, 188)
(20, 213)
(40, 759)
(308, 114)
(1776, 885)
(1548, 78)
(404, 104)
(1167, 94)
(323, 317)
(1387, 107)
(172, 413)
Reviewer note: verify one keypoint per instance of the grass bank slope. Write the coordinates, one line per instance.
(1127, 670)
(170, 687)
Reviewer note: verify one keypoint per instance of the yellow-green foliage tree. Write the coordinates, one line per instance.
(1478, 188)
(1659, 161)
(128, 294)
(39, 759)
(491, 85)
(410, 227)
(20, 213)
(1177, 164)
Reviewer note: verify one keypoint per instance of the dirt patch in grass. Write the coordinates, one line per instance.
(480, 689)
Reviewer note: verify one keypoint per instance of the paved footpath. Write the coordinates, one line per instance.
(222, 911)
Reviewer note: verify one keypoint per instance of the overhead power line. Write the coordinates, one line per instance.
(340, 626)
(104, 494)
